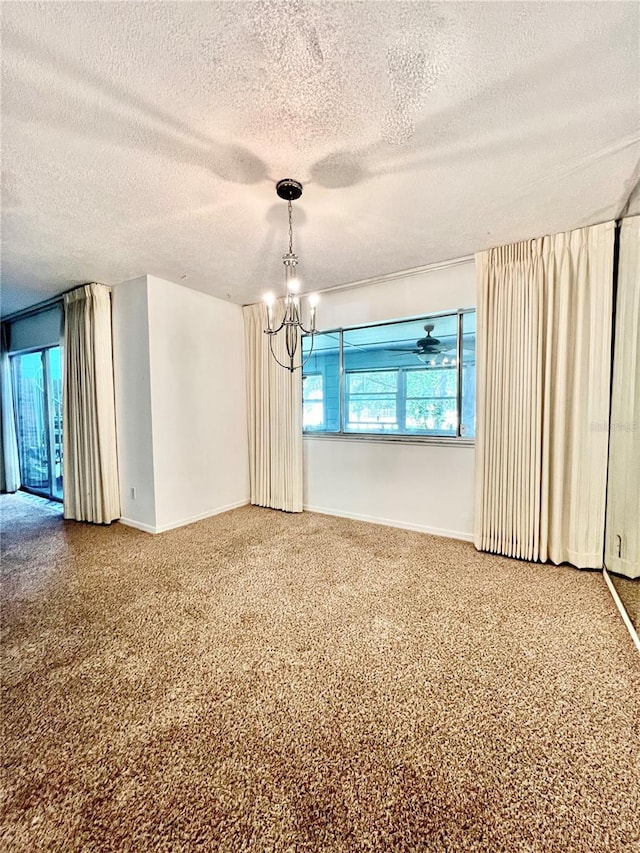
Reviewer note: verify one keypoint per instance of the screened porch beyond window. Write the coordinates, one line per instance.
(395, 379)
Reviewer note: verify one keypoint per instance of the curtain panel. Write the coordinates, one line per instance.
(543, 379)
(10, 469)
(622, 545)
(274, 405)
(91, 490)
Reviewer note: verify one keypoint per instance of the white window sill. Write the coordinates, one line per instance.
(439, 440)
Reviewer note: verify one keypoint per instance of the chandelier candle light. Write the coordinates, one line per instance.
(290, 190)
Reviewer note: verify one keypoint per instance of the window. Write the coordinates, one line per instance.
(313, 400)
(431, 396)
(37, 384)
(407, 378)
(371, 401)
(321, 383)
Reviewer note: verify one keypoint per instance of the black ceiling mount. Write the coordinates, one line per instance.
(288, 189)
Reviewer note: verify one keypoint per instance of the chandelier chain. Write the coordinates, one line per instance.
(290, 230)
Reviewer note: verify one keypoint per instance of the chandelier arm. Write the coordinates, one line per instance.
(313, 337)
(286, 321)
(286, 366)
(275, 331)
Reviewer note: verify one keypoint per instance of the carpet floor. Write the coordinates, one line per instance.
(268, 682)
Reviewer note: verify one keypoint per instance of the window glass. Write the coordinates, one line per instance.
(31, 420)
(399, 344)
(313, 401)
(55, 406)
(37, 384)
(432, 404)
(398, 378)
(469, 375)
(321, 382)
(371, 401)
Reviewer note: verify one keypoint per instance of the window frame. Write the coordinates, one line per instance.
(459, 439)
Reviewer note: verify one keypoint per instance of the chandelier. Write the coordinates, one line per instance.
(291, 325)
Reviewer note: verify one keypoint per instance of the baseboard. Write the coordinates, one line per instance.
(622, 609)
(129, 522)
(388, 522)
(163, 528)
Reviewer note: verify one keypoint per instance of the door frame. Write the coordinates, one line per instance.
(49, 426)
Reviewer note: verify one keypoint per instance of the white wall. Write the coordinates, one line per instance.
(181, 410)
(198, 391)
(131, 373)
(180, 404)
(418, 486)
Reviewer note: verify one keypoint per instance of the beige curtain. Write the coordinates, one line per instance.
(622, 544)
(10, 467)
(543, 377)
(91, 491)
(274, 397)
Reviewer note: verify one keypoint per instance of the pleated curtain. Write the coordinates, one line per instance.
(91, 491)
(10, 468)
(543, 379)
(274, 398)
(622, 544)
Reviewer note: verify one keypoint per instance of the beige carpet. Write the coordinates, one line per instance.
(267, 682)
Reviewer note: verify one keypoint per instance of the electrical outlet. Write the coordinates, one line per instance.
(133, 493)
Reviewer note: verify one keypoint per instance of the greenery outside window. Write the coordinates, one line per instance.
(410, 378)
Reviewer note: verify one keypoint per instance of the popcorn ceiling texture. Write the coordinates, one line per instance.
(147, 137)
(269, 682)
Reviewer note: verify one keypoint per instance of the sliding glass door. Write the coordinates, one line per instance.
(37, 385)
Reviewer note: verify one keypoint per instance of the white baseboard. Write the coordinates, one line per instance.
(621, 608)
(388, 522)
(129, 522)
(184, 521)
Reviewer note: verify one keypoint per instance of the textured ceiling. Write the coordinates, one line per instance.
(147, 137)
